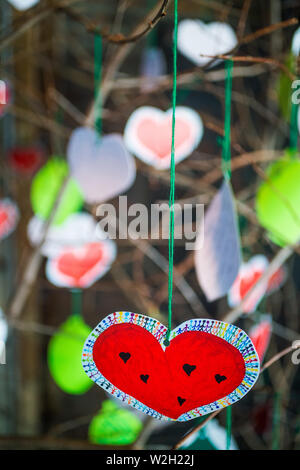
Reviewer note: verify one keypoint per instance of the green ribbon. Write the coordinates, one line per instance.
(226, 150)
(172, 178)
(76, 301)
(97, 83)
(228, 426)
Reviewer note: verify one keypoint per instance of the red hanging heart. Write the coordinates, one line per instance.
(81, 266)
(208, 364)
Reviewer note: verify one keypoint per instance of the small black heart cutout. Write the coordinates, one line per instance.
(188, 369)
(181, 400)
(219, 378)
(124, 356)
(144, 378)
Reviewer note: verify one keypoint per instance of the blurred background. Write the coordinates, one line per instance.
(47, 61)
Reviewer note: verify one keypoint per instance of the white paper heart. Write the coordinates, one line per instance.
(79, 228)
(102, 166)
(153, 65)
(23, 4)
(148, 134)
(296, 42)
(80, 267)
(196, 38)
(3, 328)
(218, 258)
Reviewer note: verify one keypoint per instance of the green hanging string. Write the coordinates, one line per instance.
(228, 426)
(276, 421)
(294, 128)
(97, 82)
(76, 301)
(226, 150)
(172, 178)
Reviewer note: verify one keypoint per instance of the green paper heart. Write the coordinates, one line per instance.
(45, 188)
(64, 356)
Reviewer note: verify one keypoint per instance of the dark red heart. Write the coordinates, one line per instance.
(168, 389)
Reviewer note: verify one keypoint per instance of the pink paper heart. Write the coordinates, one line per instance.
(249, 274)
(148, 134)
(9, 216)
(81, 266)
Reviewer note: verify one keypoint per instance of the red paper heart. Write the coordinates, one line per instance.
(76, 264)
(198, 372)
(157, 136)
(25, 159)
(169, 389)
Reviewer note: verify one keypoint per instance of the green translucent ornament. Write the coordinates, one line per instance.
(45, 188)
(278, 201)
(114, 426)
(64, 356)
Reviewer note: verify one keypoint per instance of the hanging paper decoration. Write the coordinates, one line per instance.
(114, 426)
(211, 437)
(125, 354)
(25, 160)
(249, 274)
(78, 229)
(107, 168)
(196, 38)
(260, 335)
(5, 96)
(278, 201)
(81, 266)
(9, 217)
(3, 328)
(217, 254)
(153, 66)
(23, 4)
(148, 134)
(296, 43)
(64, 352)
(45, 189)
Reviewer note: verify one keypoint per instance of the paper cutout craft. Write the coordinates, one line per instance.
(78, 229)
(278, 202)
(114, 426)
(5, 96)
(207, 366)
(102, 166)
(296, 42)
(45, 189)
(217, 254)
(3, 329)
(249, 274)
(196, 38)
(80, 267)
(9, 217)
(148, 134)
(25, 160)
(63, 355)
(23, 4)
(153, 66)
(260, 335)
(211, 437)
